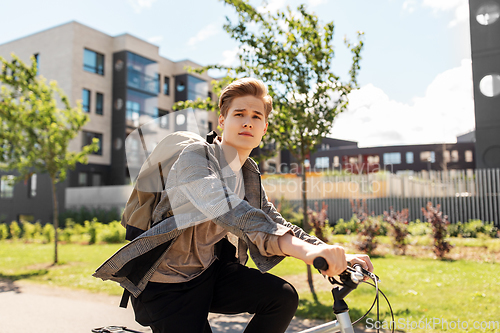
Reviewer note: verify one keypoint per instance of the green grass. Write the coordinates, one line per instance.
(33, 262)
(417, 288)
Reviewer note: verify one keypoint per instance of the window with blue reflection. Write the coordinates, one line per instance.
(322, 162)
(409, 157)
(392, 158)
(166, 85)
(142, 74)
(99, 103)
(93, 62)
(86, 100)
(197, 88)
(140, 104)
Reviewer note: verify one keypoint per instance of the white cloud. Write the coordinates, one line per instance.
(155, 39)
(315, 3)
(230, 57)
(409, 5)
(446, 110)
(139, 5)
(205, 33)
(272, 6)
(460, 7)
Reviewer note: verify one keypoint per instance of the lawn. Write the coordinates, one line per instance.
(419, 288)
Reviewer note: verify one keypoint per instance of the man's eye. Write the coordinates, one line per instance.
(257, 117)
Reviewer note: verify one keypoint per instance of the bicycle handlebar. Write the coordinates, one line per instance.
(356, 272)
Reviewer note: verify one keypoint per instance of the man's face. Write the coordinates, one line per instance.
(244, 124)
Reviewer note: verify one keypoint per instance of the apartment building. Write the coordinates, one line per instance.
(123, 82)
(334, 154)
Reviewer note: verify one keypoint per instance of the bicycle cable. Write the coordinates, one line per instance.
(375, 300)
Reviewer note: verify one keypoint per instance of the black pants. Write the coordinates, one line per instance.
(225, 287)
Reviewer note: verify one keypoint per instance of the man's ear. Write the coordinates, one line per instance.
(221, 121)
(265, 128)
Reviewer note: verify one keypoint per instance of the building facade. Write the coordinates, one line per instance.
(122, 83)
(334, 154)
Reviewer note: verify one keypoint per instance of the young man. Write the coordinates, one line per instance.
(213, 210)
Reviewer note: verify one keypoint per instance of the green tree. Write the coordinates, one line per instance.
(34, 130)
(292, 52)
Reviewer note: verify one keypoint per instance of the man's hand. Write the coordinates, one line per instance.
(334, 255)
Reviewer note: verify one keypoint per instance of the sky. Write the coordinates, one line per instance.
(415, 82)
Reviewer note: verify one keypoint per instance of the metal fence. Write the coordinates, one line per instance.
(463, 195)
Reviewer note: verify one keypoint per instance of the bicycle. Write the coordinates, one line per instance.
(347, 282)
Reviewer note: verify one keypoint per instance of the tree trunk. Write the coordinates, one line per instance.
(56, 218)
(305, 224)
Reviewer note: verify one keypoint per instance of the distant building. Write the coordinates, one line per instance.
(123, 83)
(335, 154)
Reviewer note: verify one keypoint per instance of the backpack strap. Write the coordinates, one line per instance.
(211, 137)
(124, 300)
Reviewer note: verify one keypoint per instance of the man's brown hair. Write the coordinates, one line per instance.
(245, 87)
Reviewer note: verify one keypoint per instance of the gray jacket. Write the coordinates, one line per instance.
(197, 187)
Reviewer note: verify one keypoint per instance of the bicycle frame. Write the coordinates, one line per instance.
(342, 324)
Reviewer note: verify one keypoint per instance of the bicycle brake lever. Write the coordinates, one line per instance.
(365, 272)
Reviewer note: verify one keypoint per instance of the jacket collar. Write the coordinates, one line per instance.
(249, 164)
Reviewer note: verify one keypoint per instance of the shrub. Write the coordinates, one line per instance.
(4, 231)
(346, 228)
(290, 212)
(439, 225)
(319, 222)
(29, 231)
(91, 228)
(368, 228)
(472, 229)
(48, 233)
(399, 229)
(419, 228)
(367, 241)
(111, 233)
(79, 216)
(15, 230)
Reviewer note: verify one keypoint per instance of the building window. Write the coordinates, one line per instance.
(454, 156)
(86, 100)
(446, 156)
(87, 140)
(427, 156)
(164, 118)
(93, 62)
(96, 179)
(82, 179)
(32, 186)
(336, 161)
(37, 60)
(99, 103)
(373, 159)
(7, 186)
(392, 158)
(469, 156)
(409, 157)
(166, 85)
(158, 84)
(142, 74)
(322, 162)
(210, 127)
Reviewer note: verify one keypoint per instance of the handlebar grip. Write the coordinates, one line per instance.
(320, 263)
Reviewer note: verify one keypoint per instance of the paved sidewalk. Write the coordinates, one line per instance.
(27, 308)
